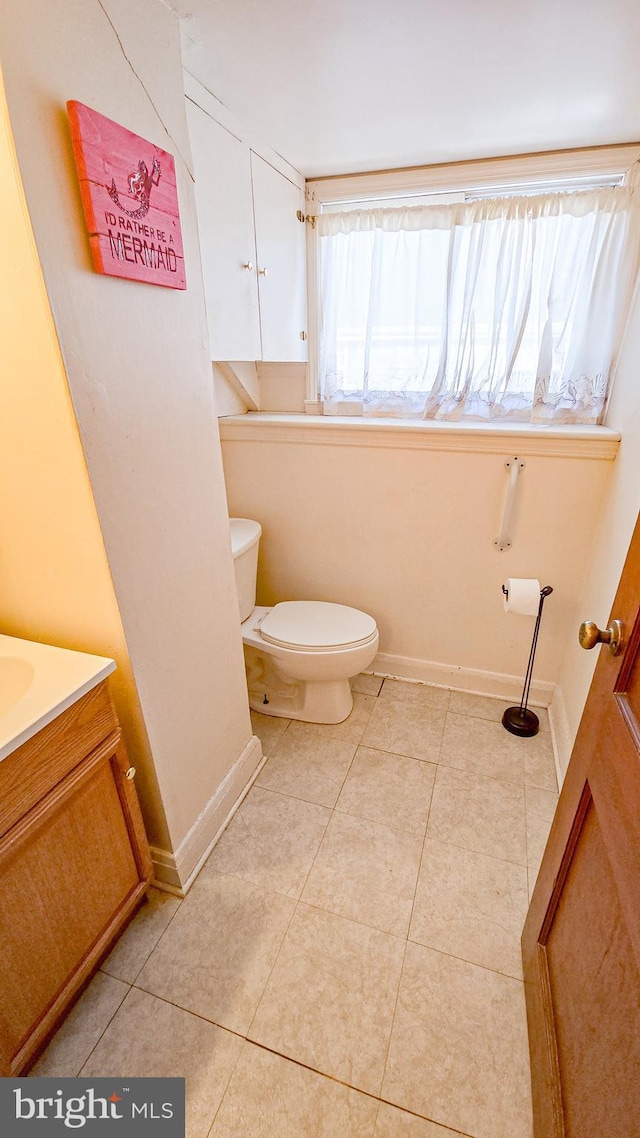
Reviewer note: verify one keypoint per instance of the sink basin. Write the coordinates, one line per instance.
(37, 683)
(16, 677)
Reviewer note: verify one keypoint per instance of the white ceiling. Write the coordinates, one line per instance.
(337, 86)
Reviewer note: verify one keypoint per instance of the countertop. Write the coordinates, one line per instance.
(37, 683)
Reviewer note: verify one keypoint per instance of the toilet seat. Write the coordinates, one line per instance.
(318, 626)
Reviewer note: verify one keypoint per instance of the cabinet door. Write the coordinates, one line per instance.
(71, 871)
(280, 243)
(227, 239)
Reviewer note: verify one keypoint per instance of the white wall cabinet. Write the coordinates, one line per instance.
(280, 249)
(252, 246)
(227, 237)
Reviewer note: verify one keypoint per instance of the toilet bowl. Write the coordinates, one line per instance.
(299, 655)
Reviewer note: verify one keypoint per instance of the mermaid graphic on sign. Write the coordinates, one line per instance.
(141, 182)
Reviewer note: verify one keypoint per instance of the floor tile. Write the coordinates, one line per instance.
(307, 764)
(539, 763)
(271, 841)
(141, 936)
(269, 729)
(408, 719)
(482, 814)
(218, 952)
(490, 707)
(478, 745)
(329, 1001)
(151, 1038)
(540, 807)
(391, 789)
(420, 694)
(395, 1123)
(541, 803)
(480, 706)
(271, 1097)
(75, 1039)
(458, 1051)
(471, 906)
(366, 684)
(351, 728)
(366, 872)
(294, 935)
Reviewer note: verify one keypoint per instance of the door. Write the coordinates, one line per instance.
(280, 246)
(227, 238)
(581, 942)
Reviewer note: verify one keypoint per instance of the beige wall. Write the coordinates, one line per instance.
(55, 582)
(407, 535)
(280, 387)
(283, 387)
(140, 378)
(616, 522)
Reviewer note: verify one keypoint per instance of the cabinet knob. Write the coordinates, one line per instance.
(247, 265)
(303, 335)
(130, 773)
(263, 272)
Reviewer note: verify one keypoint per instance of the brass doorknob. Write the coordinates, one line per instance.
(589, 635)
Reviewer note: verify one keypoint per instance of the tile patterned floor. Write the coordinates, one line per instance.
(347, 964)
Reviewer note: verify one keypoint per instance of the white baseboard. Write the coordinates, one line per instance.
(461, 679)
(176, 871)
(560, 734)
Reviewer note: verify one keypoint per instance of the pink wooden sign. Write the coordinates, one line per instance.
(130, 200)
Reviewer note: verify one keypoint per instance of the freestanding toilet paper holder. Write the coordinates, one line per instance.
(521, 720)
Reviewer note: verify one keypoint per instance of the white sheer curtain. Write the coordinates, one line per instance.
(508, 308)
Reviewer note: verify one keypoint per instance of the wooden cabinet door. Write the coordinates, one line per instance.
(581, 942)
(71, 871)
(227, 237)
(280, 245)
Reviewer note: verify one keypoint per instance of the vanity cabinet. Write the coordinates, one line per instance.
(74, 864)
(252, 245)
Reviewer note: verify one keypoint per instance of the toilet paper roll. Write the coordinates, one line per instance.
(522, 595)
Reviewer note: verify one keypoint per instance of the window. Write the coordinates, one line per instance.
(475, 306)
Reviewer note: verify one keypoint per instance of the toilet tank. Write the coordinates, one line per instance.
(245, 536)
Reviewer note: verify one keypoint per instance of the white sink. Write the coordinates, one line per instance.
(16, 677)
(37, 682)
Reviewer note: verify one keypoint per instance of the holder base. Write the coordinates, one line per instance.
(521, 721)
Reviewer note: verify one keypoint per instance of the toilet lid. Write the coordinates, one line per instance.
(316, 624)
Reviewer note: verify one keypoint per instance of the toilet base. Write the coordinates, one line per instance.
(312, 686)
(322, 701)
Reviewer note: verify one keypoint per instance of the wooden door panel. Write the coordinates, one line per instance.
(592, 971)
(581, 942)
(628, 685)
(615, 785)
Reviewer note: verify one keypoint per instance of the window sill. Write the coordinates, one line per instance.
(567, 441)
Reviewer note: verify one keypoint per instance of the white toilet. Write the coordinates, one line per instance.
(299, 655)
